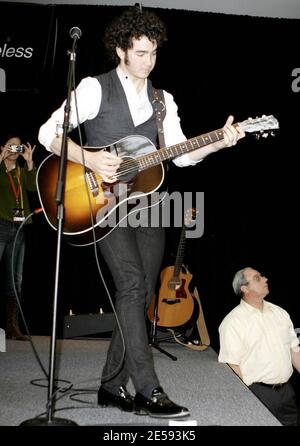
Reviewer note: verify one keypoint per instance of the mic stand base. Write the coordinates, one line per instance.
(45, 422)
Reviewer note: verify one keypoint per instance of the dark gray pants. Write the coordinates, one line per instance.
(8, 232)
(134, 257)
(280, 401)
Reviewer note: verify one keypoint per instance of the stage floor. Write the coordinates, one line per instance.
(212, 392)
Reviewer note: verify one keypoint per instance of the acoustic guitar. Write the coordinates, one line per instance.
(175, 305)
(94, 208)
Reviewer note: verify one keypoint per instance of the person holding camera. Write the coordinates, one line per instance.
(15, 180)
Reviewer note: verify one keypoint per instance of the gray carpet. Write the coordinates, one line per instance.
(212, 392)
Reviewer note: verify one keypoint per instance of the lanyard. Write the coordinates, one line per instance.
(15, 190)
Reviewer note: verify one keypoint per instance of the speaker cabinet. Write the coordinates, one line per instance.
(87, 324)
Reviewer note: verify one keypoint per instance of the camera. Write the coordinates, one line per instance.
(16, 148)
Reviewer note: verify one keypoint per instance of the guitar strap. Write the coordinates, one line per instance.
(160, 112)
(202, 330)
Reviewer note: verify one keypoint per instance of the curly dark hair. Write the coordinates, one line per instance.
(133, 23)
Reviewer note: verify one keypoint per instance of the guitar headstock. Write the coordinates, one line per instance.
(262, 126)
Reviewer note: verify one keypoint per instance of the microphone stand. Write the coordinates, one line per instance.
(49, 420)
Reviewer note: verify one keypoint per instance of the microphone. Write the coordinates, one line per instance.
(75, 33)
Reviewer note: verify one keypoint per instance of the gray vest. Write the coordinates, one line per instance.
(114, 120)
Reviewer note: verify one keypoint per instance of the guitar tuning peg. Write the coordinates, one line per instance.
(265, 134)
(257, 135)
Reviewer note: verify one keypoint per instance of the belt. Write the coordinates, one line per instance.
(272, 386)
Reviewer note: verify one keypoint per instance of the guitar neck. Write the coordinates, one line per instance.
(180, 253)
(167, 153)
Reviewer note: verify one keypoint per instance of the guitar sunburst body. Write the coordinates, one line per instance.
(91, 204)
(176, 306)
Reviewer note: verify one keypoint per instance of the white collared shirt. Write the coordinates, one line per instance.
(259, 342)
(89, 94)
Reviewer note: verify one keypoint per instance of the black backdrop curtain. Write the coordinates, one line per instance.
(214, 65)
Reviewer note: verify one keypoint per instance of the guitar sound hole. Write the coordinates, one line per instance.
(171, 301)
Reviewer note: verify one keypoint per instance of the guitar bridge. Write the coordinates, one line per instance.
(92, 183)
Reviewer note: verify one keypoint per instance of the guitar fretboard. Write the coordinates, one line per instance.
(164, 154)
(180, 253)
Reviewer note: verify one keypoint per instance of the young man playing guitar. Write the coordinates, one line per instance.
(112, 106)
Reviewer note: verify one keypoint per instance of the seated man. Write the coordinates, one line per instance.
(258, 341)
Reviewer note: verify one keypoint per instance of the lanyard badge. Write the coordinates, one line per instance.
(18, 212)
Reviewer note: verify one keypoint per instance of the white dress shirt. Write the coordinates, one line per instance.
(259, 342)
(89, 94)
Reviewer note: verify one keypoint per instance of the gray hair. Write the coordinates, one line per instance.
(238, 281)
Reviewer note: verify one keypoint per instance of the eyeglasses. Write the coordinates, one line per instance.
(256, 278)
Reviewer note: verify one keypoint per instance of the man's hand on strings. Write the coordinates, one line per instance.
(106, 164)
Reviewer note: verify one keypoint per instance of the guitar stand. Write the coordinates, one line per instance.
(153, 342)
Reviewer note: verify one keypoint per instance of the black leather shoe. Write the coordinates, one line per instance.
(123, 400)
(158, 406)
